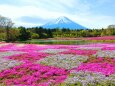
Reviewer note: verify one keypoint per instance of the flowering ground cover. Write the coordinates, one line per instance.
(57, 65)
(101, 38)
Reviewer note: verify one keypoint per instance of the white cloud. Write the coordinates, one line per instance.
(26, 24)
(76, 10)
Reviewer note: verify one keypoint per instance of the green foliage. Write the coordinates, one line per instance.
(89, 84)
(2, 84)
(2, 36)
(13, 34)
(71, 84)
(22, 33)
(34, 36)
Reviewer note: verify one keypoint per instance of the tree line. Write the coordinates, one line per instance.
(9, 33)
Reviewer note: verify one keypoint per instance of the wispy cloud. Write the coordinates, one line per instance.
(32, 19)
(93, 13)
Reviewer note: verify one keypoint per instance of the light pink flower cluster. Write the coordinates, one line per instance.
(101, 38)
(31, 48)
(25, 48)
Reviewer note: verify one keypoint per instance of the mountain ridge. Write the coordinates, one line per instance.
(63, 22)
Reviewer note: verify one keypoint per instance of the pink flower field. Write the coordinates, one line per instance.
(101, 38)
(57, 65)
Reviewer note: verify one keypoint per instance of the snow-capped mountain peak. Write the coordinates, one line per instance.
(62, 19)
(63, 22)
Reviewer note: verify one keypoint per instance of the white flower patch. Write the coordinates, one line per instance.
(41, 45)
(53, 51)
(86, 78)
(3, 44)
(106, 53)
(5, 63)
(9, 53)
(66, 61)
(90, 48)
(20, 45)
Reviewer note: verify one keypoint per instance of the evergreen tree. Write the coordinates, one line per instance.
(24, 34)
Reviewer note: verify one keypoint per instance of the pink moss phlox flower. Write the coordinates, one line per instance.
(80, 52)
(7, 47)
(31, 48)
(101, 38)
(28, 57)
(104, 68)
(31, 74)
(109, 48)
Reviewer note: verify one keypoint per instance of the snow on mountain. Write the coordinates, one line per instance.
(63, 22)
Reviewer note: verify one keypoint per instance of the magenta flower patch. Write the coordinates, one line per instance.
(80, 52)
(29, 57)
(33, 74)
(104, 68)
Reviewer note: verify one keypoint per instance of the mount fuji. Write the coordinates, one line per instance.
(63, 22)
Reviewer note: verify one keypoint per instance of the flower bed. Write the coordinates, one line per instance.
(33, 75)
(57, 65)
(67, 61)
(80, 52)
(104, 68)
(28, 57)
(101, 38)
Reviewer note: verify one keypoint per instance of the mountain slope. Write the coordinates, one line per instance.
(63, 22)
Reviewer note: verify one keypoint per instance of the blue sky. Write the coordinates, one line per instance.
(89, 13)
